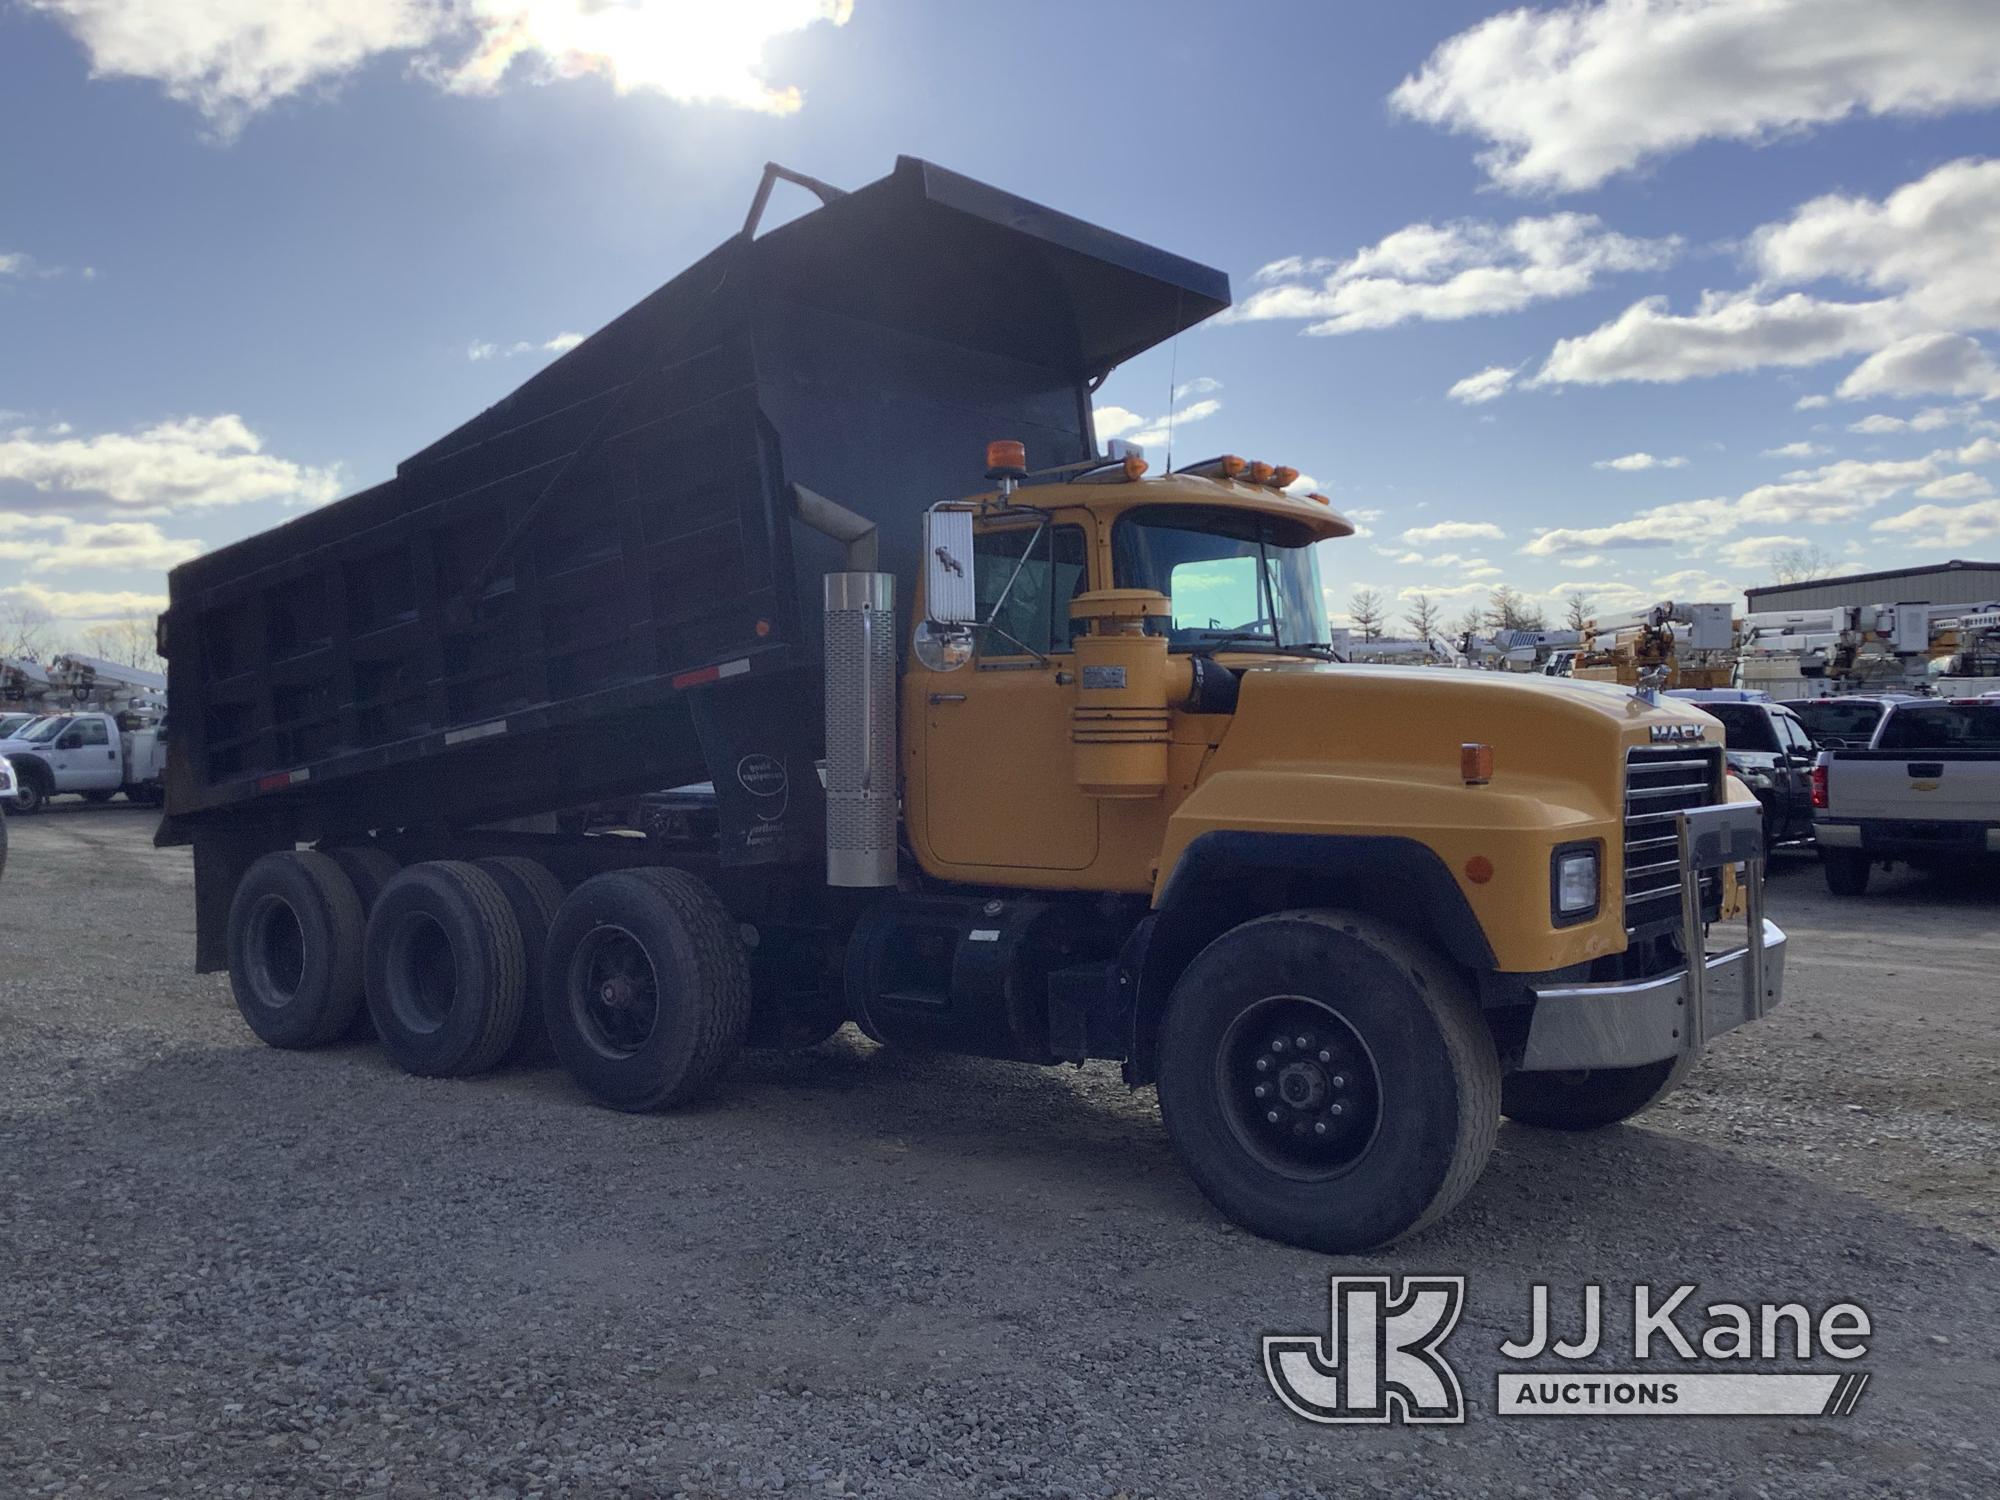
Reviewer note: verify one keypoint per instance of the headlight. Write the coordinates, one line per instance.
(1573, 884)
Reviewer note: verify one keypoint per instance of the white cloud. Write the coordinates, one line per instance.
(1160, 430)
(1943, 525)
(1833, 492)
(1796, 450)
(1757, 551)
(88, 605)
(1588, 560)
(13, 263)
(1695, 583)
(1956, 487)
(1436, 591)
(562, 343)
(1444, 272)
(1152, 432)
(1116, 421)
(1633, 462)
(1488, 385)
(1201, 385)
(195, 462)
(1811, 403)
(232, 58)
(62, 544)
(1567, 98)
(1925, 364)
(1453, 531)
(1923, 253)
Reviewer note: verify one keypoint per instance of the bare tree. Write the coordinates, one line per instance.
(1800, 564)
(1470, 623)
(1424, 617)
(1364, 608)
(1578, 615)
(26, 630)
(128, 640)
(1508, 609)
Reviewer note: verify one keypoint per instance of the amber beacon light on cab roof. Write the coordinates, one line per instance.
(1045, 764)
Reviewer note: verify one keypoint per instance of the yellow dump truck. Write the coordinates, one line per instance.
(1060, 769)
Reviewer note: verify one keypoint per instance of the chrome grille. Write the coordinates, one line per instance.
(1659, 784)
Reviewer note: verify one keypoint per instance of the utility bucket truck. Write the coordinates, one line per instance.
(1042, 758)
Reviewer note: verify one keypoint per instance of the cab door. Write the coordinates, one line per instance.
(1795, 774)
(87, 757)
(999, 787)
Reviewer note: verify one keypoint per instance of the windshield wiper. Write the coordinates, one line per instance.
(1275, 646)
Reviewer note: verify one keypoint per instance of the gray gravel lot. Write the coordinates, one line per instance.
(229, 1270)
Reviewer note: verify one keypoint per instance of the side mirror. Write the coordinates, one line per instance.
(949, 595)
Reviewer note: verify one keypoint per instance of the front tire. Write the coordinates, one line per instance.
(1846, 871)
(1590, 1098)
(28, 794)
(646, 988)
(1370, 1051)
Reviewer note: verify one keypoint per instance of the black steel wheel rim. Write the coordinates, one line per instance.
(614, 992)
(276, 952)
(423, 973)
(1299, 1088)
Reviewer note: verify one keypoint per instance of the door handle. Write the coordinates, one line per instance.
(937, 698)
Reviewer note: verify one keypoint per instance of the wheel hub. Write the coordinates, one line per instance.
(1299, 1086)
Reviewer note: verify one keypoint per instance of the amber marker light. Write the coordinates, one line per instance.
(1475, 764)
(1479, 869)
(1006, 456)
(1135, 466)
(1260, 472)
(1283, 475)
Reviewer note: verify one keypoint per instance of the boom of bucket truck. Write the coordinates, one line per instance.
(1045, 762)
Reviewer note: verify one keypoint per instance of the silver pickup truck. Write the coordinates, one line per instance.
(1926, 792)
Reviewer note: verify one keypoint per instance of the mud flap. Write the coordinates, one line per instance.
(767, 787)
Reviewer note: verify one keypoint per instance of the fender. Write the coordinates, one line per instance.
(1229, 876)
(28, 765)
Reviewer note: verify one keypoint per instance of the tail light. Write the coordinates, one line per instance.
(1819, 787)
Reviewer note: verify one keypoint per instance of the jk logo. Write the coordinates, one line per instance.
(1380, 1359)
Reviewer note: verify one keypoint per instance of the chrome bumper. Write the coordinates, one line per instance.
(1625, 1023)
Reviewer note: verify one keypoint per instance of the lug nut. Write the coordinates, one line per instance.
(1339, 1080)
(1324, 1055)
(1305, 1042)
(1334, 1109)
(1263, 1065)
(1261, 1090)
(1319, 1128)
(1278, 1045)
(1272, 1117)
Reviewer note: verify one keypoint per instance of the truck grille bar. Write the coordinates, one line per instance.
(1659, 785)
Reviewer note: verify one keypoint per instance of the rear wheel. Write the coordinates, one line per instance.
(295, 935)
(646, 988)
(368, 870)
(1590, 1098)
(443, 965)
(1328, 1081)
(536, 896)
(1846, 871)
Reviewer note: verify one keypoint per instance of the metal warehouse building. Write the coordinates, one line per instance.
(1953, 582)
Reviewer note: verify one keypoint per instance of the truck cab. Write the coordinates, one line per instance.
(85, 752)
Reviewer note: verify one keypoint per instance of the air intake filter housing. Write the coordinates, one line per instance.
(860, 729)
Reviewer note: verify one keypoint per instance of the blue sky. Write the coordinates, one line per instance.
(251, 256)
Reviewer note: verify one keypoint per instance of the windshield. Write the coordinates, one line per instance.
(1233, 576)
(1747, 726)
(1942, 726)
(1831, 719)
(47, 730)
(13, 724)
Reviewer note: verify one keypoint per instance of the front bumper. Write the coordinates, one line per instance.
(1626, 1023)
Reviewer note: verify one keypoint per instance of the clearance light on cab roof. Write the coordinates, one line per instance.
(1261, 472)
(1326, 500)
(1284, 475)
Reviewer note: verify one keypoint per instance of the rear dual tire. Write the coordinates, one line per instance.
(646, 988)
(445, 976)
(295, 940)
(1846, 871)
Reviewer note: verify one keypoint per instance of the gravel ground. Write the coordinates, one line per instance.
(230, 1270)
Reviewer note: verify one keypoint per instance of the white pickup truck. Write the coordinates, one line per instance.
(88, 753)
(1926, 792)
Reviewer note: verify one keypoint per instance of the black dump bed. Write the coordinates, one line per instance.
(529, 614)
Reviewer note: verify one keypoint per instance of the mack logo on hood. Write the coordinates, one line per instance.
(1676, 734)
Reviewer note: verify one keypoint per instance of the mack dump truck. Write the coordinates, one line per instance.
(1019, 751)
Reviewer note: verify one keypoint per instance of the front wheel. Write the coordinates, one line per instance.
(1328, 1081)
(1846, 871)
(1590, 1098)
(28, 795)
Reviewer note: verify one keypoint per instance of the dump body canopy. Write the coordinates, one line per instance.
(526, 615)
